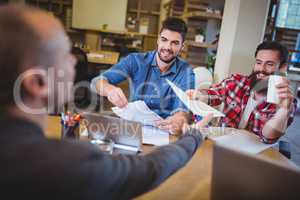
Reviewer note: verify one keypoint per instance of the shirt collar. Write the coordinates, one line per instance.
(172, 68)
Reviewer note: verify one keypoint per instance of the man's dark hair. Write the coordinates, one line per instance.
(176, 25)
(20, 47)
(275, 46)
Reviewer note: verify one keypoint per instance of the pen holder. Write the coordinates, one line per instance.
(70, 131)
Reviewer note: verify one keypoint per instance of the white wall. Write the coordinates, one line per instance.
(242, 30)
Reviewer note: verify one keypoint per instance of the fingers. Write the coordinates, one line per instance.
(197, 95)
(117, 98)
(190, 93)
(163, 123)
(285, 80)
(284, 83)
(166, 127)
(286, 96)
(170, 125)
(122, 98)
(284, 91)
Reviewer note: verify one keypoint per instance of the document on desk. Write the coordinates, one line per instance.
(196, 106)
(137, 111)
(242, 140)
(155, 136)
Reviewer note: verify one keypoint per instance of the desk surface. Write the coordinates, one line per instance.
(191, 182)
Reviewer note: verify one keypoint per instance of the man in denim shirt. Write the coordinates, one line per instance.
(147, 74)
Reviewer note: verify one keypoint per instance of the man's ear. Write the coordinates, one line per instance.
(35, 84)
(183, 46)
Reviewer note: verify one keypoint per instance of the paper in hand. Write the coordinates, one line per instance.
(196, 106)
(137, 111)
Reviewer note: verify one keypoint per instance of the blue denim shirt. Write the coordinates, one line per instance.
(147, 83)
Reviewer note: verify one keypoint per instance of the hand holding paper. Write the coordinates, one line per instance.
(197, 107)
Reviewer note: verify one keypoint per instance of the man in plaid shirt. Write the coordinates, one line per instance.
(244, 97)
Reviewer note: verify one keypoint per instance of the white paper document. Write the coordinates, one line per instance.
(137, 111)
(196, 106)
(155, 136)
(241, 140)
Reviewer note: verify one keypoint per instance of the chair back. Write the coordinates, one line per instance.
(203, 78)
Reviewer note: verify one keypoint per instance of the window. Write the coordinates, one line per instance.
(295, 58)
(289, 14)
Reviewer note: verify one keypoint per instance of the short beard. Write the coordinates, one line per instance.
(166, 61)
(259, 85)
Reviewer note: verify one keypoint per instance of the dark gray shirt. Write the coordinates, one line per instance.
(34, 167)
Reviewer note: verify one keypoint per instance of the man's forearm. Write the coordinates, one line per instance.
(147, 172)
(103, 87)
(276, 126)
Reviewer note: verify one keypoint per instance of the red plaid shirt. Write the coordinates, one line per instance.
(235, 92)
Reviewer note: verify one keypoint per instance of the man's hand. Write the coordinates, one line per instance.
(116, 96)
(199, 125)
(197, 95)
(173, 123)
(285, 94)
(191, 93)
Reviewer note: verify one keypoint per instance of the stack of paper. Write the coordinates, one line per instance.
(137, 111)
(197, 107)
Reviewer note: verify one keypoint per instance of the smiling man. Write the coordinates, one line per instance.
(147, 74)
(244, 97)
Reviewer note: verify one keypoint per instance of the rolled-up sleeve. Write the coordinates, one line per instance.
(117, 73)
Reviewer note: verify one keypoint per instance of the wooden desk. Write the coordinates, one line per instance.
(53, 127)
(194, 180)
(191, 182)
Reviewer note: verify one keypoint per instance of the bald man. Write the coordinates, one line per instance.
(37, 70)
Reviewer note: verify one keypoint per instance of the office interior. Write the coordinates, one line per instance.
(221, 40)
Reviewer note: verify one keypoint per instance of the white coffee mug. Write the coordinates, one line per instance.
(272, 96)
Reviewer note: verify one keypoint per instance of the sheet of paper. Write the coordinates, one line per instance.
(241, 140)
(155, 136)
(137, 111)
(197, 107)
